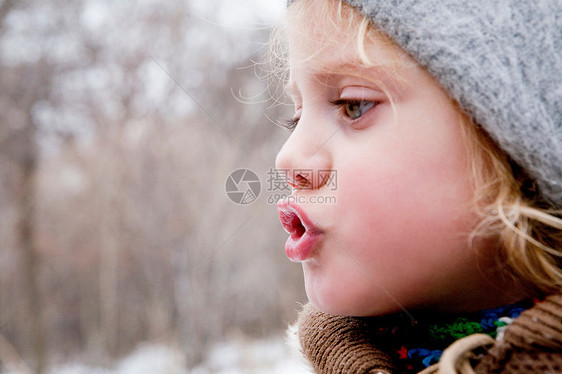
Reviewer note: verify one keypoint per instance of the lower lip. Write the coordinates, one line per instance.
(301, 248)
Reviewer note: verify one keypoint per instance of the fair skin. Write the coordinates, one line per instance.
(397, 235)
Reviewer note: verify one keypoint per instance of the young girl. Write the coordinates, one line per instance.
(440, 247)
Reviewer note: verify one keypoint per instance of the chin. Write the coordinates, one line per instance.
(327, 300)
(346, 303)
(351, 310)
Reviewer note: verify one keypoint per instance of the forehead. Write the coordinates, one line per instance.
(330, 63)
(322, 43)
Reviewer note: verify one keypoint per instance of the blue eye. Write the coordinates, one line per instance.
(354, 109)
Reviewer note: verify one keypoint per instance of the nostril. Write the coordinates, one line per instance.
(301, 181)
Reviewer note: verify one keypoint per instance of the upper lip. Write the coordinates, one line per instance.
(294, 220)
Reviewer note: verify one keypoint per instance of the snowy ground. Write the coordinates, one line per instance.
(236, 357)
(265, 356)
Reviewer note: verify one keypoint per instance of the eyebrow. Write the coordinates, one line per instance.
(356, 66)
(384, 75)
(379, 74)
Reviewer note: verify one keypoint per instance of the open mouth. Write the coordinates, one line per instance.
(292, 223)
(304, 235)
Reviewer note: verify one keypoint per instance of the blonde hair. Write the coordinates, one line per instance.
(506, 202)
(508, 206)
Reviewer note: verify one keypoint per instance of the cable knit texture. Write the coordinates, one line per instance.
(501, 61)
(531, 344)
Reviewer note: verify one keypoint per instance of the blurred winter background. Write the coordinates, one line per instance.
(120, 251)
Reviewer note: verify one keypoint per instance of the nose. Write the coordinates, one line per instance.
(306, 157)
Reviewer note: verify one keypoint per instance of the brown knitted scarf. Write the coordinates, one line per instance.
(531, 344)
(332, 344)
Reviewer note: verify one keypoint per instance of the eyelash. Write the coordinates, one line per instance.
(341, 103)
(291, 123)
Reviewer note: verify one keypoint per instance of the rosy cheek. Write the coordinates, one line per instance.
(371, 194)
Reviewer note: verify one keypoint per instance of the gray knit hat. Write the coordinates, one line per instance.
(501, 61)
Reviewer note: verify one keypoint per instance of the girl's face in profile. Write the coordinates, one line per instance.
(395, 232)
